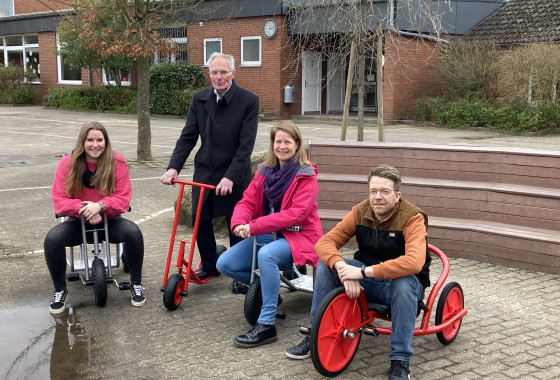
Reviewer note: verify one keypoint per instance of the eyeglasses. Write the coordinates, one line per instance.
(222, 73)
(383, 192)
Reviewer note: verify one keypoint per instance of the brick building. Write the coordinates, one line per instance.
(257, 33)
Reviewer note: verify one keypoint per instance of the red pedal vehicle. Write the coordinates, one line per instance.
(340, 321)
(176, 286)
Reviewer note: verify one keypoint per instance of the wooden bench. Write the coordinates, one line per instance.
(500, 206)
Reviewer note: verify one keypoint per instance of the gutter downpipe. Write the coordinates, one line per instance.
(393, 29)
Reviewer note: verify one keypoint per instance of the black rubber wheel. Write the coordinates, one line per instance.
(220, 249)
(331, 352)
(253, 302)
(172, 294)
(451, 302)
(99, 282)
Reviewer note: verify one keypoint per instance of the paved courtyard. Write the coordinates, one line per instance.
(511, 331)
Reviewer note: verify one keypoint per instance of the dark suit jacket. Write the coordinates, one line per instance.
(227, 132)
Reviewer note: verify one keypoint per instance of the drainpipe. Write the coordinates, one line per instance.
(392, 28)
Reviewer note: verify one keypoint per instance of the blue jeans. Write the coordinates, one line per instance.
(273, 257)
(402, 294)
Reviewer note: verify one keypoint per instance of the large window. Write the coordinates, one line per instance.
(251, 51)
(211, 45)
(22, 51)
(6, 8)
(67, 73)
(178, 36)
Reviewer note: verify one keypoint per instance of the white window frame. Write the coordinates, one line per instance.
(251, 63)
(59, 68)
(23, 47)
(114, 83)
(210, 40)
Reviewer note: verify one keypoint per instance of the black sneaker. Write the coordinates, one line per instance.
(237, 287)
(138, 298)
(301, 351)
(399, 370)
(59, 299)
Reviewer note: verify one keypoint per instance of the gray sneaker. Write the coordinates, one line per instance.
(301, 351)
(399, 370)
(58, 305)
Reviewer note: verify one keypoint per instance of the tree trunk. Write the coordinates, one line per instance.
(361, 90)
(379, 55)
(349, 78)
(144, 147)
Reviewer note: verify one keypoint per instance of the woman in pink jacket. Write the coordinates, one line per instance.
(92, 181)
(281, 195)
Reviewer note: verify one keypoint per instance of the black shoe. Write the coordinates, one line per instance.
(237, 287)
(399, 370)
(203, 274)
(301, 351)
(257, 336)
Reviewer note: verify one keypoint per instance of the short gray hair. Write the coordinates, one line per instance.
(228, 57)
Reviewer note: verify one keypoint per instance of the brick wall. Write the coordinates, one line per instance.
(33, 6)
(408, 75)
(268, 80)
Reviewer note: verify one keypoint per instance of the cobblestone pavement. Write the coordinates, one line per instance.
(511, 331)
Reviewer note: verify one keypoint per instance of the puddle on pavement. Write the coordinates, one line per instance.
(36, 345)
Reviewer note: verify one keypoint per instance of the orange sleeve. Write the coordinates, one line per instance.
(411, 262)
(327, 247)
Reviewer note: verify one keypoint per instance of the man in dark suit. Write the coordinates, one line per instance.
(225, 116)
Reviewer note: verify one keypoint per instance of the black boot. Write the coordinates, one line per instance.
(257, 336)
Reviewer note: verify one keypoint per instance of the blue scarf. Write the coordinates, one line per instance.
(277, 180)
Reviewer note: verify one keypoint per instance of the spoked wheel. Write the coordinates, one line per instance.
(253, 302)
(99, 281)
(451, 302)
(172, 294)
(331, 351)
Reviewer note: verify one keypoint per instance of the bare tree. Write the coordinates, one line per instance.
(352, 28)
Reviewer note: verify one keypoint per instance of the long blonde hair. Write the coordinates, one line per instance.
(104, 177)
(291, 129)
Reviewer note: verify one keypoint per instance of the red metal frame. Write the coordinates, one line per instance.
(424, 329)
(185, 266)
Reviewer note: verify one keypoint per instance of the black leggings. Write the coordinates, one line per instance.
(69, 234)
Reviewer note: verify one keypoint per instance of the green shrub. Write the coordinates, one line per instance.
(90, 98)
(15, 86)
(172, 87)
(476, 112)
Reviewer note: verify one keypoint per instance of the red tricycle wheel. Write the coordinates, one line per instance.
(330, 350)
(172, 294)
(451, 302)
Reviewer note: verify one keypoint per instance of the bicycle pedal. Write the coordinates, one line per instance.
(125, 285)
(280, 315)
(73, 277)
(304, 330)
(369, 330)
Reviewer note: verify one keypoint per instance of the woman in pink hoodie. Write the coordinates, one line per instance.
(91, 182)
(281, 195)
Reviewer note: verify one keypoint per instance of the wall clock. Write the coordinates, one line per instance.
(269, 28)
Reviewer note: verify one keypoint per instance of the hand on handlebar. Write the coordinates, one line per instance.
(168, 176)
(89, 210)
(349, 276)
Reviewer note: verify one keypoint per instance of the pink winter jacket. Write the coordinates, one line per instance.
(116, 203)
(298, 208)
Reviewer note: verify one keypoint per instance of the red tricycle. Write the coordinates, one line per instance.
(340, 321)
(175, 287)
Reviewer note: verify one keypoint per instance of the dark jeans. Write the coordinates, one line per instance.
(205, 238)
(69, 234)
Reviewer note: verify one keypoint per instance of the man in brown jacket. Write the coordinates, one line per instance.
(391, 265)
